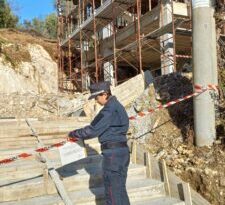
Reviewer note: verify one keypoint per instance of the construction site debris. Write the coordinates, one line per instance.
(41, 106)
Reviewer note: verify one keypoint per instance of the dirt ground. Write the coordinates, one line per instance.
(203, 168)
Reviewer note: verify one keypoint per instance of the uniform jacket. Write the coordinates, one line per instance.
(110, 125)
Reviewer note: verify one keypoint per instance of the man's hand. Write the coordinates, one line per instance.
(71, 137)
(71, 134)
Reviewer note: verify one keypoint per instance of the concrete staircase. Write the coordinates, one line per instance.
(26, 182)
(84, 185)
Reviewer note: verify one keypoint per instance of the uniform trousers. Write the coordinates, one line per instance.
(115, 166)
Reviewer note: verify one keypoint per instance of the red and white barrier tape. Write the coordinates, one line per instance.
(39, 150)
(183, 56)
(198, 90)
(178, 56)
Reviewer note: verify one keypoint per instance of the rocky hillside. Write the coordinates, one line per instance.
(28, 78)
(27, 63)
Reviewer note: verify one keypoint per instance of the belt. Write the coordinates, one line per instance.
(111, 145)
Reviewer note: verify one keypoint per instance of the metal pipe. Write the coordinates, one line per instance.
(174, 39)
(139, 34)
(114, 46)
(81, 49)
(95, 42)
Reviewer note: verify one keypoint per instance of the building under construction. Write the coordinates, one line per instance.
(115, 40)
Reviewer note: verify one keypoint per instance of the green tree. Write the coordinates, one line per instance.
(27, 25)
(46, 27)
(38, 25)
(7, 18)
(51, 25)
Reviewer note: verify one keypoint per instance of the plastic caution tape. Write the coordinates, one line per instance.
(198, 90)
(39, 150)
(183, 56)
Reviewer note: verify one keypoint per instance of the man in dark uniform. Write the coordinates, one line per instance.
(110, 126)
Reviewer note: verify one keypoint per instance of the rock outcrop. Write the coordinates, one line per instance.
(39, 75)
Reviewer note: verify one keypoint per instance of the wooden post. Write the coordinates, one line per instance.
(165, 177)
(134, 152)
(149, 5)
(149, 166)
(46, 177)
(187, 193)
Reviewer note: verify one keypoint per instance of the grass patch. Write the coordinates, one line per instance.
(15, 54)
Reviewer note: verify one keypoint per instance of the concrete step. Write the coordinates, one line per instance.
(18, 175)
(91, 175)
(44, 128)
(31, 140)
(90, 178)
(73, 180)
(18, 169)
(42, 200)
(56, 200)
(164, 200)
(73, 121)
(26, 164)
(138, 190)
(30, 162)
(28, 137)
(19, 145)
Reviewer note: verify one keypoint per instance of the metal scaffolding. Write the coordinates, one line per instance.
(115, 40)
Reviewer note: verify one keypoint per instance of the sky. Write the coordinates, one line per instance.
(29, 9)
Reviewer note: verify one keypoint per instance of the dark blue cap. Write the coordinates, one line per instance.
(99, 88)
